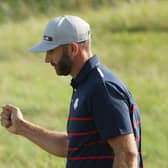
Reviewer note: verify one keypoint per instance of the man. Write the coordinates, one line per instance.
(103, 128)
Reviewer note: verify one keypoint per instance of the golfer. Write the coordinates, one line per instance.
(104, 125)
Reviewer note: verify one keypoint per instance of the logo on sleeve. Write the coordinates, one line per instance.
(76, 103)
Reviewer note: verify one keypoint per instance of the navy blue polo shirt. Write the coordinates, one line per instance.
(101, 108)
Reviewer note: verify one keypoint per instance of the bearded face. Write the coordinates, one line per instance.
(64, 66)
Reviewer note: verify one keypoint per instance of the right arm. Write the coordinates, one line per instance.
(53, 142)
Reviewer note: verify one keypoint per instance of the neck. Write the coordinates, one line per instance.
(79, 62)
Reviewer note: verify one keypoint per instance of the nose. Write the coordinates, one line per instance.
(47, 58)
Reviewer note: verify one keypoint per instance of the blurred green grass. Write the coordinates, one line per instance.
(131, 39)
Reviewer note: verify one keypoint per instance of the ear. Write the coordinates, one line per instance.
(74, 49)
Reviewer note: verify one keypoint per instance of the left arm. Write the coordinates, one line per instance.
(125, 151)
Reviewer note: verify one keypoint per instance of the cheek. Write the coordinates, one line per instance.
(56, 58)
(70, 56)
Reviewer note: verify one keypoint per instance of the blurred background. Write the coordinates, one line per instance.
(130, 37)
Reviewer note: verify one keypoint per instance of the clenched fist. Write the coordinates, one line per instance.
(11, 117)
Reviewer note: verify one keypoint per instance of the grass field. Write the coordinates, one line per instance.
(130, 39)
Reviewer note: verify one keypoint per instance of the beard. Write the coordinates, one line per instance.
(64, 66)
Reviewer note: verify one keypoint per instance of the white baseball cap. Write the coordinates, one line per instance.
(63, 30)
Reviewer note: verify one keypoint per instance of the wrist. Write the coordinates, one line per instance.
(21, 127)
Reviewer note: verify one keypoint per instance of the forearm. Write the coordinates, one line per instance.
(53, 142)
(125, 151)
(125, 160)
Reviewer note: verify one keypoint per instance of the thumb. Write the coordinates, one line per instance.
(15, 112)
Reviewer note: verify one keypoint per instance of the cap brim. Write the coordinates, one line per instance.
(43, 47)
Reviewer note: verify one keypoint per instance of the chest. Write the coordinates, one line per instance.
(80, 118)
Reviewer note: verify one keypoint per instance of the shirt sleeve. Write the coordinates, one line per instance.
(110, 111)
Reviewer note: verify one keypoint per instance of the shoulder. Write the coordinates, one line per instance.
(104, 78)
(104, 81)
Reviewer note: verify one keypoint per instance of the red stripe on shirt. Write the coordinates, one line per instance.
(87, 145)
(82, 133)
(80, 119)
(135, 106)
(140, 153)
(137, 139)
(91, 157)
(72, 149)
(94, 143)
(137, 123)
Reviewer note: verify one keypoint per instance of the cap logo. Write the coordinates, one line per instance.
(47, 38)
